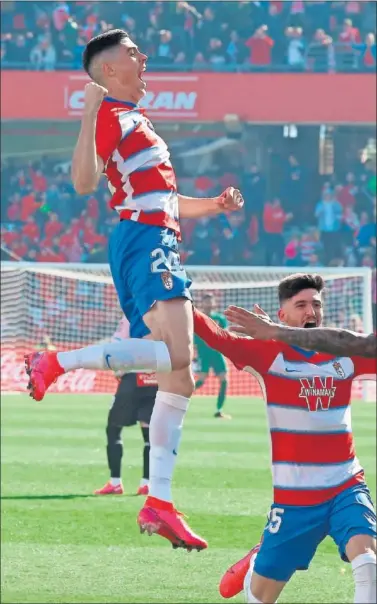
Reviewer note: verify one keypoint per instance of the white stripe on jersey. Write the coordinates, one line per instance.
(150, 157)
(294, 419)
(295, 370)
(296, 476)
(151, 202)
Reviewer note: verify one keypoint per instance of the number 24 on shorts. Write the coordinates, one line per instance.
(275, 518)
(162, 262)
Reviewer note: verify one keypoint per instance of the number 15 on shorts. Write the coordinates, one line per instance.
(275, 519)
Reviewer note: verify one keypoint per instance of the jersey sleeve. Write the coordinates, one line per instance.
(108, 135)
(364, 367)
(243, 352)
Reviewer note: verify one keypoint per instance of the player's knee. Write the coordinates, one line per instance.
(185, 382)
(178, 382)
(113, 433)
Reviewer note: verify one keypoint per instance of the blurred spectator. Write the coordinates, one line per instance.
(201, 251)
(215, 52)
(43, 55)
(254, 191)
(346, 194)
(321, 52)
(31, 230)
(292, 252)
(235, 50)
(260, 45)
(18, 50)
(367, 51)
(296, 48)
(310, 246)
(329, 214)
(165, 47)
(274, 220)
(234, 248)
(366, 233)
(53, 227)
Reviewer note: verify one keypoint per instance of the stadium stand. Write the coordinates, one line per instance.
(220, 36)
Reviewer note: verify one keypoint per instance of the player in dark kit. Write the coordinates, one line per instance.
(133, 403)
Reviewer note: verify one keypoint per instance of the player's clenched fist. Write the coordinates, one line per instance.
(94, 95)
(231, 200)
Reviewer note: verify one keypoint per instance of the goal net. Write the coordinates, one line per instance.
(65, 306)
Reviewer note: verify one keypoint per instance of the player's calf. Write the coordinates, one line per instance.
(114, 451)
(361, 551)
(261, 590)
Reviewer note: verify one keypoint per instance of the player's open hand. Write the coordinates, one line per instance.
(257, 324)
(94, 95)
(231, 200)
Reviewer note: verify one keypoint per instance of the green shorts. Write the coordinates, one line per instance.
(215, 361)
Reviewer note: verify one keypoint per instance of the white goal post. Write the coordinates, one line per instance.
(66, 306)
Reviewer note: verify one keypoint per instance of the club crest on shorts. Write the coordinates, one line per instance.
(167, 280)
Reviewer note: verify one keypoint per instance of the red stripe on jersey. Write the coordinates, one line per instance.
(314, 496)
(309, 448)
(140, 139)
(158, 178)
(153, 218)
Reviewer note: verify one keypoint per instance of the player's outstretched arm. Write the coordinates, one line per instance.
(230, 200)
(87, 167)
(229, 344)
(321, 339)
(331, 340)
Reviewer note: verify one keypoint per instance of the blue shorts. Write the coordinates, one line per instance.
(293, 533)
(145, 267)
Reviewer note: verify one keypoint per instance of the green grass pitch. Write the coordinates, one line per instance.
(60, 544)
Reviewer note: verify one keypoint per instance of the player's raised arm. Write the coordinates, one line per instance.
(320, 339)
(329, 339)
(193, 207)
(87, 166)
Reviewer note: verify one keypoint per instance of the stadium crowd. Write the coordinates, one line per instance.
(238, 35)
(44, 220)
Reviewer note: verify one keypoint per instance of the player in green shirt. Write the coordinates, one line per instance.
(211, 359)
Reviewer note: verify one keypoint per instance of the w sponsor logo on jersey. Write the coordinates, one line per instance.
(318, 392)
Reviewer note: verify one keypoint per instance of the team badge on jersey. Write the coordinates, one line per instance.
(318, 392)
(339, 370)
(167, 280)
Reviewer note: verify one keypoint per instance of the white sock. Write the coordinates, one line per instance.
(364, 574)
(129, 355)
(249, 598)
(144, 482)
(116, 481)
(165, 429)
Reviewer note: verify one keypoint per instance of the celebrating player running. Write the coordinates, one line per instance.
(319, 483)
(153, 289)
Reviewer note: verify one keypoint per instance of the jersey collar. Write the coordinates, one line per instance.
(110, 99)
(306, 353)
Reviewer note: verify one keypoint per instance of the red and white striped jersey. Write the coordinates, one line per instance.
(140, 176)
(308, 398)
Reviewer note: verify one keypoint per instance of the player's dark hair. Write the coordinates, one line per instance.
(108, 39)
(208, 297)
(294, 284)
